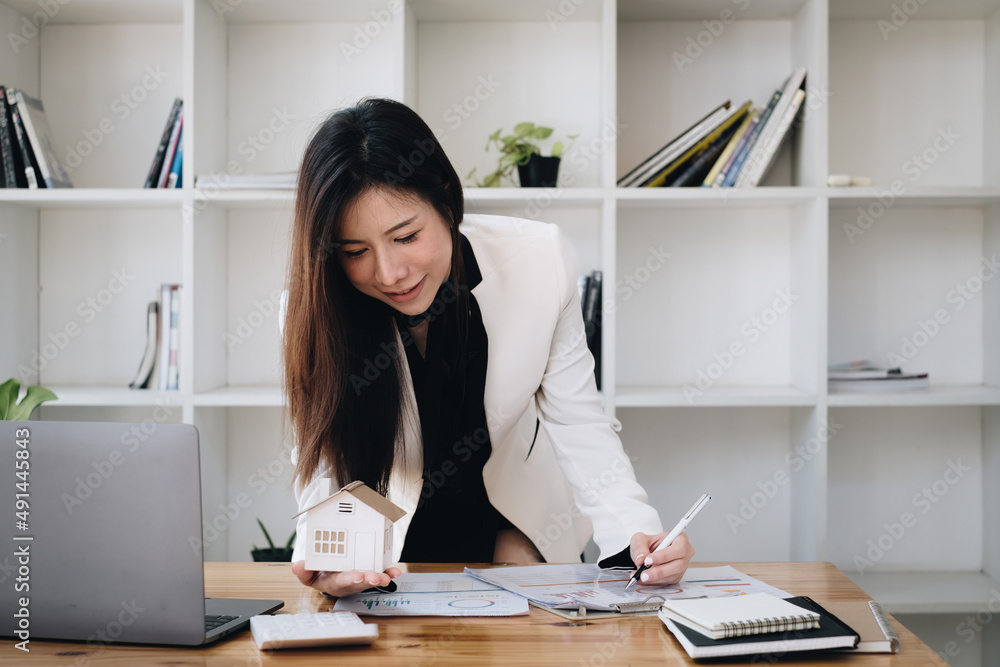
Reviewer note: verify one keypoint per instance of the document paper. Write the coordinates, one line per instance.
(437, 594)
(586, 585)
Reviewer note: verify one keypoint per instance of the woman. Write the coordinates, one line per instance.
(441, 359)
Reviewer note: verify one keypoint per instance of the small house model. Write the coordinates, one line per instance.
(350, 530)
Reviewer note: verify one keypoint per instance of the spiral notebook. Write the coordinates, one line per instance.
(870, 622)
(722, 618)
(832, 633)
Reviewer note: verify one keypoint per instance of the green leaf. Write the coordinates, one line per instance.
(542, 132)
(269, 542)
(523, 129)
(557, 149)
(8, 395)
(36, 395)
(495, 135)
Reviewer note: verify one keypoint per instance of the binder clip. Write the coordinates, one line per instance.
(640, 606)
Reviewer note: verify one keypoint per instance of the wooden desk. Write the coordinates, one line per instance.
(538, 639)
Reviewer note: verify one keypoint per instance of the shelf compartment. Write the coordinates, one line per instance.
(472, 78)
(749, 448)
(106, 111)
(303, 50)
(697, 55)
(934, 395)
(111, 396)
(747, 318)
(670, 397)
(92, 325)
(906, 290)
(907, 75)
(240, 259)
(928, 592)
(94, 198)
(240, 396)
(907, 489)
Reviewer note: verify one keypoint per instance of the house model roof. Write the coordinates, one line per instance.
(360, 492)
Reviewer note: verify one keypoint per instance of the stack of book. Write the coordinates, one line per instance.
(167, 168)
(757, 624)
(27, 150)
(726, 148)
(863, 376)
(590, 301)
(160, 368)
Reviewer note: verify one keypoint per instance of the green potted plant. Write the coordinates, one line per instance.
(523, 150)
(12, 410)
(272, 554)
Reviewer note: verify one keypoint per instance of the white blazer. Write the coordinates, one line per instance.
(558, 483)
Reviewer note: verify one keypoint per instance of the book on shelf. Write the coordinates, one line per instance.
(156, 168)
(160, 366)
(176, 169)
(735, 141)
(675, 148)
(863, 376)
(775, 130)
(7, 162)
(173, 368)
(171, 152)
(733, 170)
(589, 287)
(832, 633)
(50, 173)
(694, 172)
(26, 167)
(148, 363)
(667, 173)
(284, 180)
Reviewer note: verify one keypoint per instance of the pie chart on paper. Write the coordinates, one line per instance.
(471, 603)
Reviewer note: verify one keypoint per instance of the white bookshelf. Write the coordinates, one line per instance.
(269, 71)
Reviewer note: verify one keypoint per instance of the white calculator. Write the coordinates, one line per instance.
(324, 628)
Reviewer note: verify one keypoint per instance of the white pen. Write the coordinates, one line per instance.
(672, 535)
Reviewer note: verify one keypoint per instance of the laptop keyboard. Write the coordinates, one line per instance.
(213, 621)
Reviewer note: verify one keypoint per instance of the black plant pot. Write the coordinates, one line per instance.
(271, 555)
(540, 172)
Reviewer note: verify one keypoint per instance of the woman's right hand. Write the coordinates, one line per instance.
(339, 584)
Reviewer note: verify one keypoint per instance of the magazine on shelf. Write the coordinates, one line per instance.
(39, 135)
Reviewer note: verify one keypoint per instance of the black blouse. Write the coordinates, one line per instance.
(454, 520)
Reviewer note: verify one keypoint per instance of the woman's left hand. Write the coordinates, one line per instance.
(668, 564)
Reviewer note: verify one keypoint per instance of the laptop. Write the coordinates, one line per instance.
(106, 546)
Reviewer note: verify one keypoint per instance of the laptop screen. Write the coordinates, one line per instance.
(103, 539)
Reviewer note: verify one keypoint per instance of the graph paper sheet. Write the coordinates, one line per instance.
(437, 594)
(586, 585)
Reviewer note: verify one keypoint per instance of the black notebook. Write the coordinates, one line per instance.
(831, 634)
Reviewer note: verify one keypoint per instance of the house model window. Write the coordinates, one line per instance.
(351, 529)
(331, 542)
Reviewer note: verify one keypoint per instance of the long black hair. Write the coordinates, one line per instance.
(342, 365)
